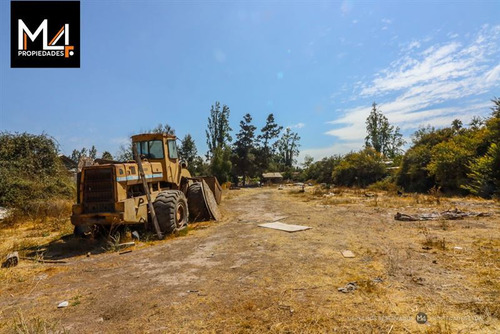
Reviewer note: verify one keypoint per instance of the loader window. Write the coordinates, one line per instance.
(152, 149)
(172, 149)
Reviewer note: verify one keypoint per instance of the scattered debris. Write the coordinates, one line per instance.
(448, 215)
(193, 291)
(349, 287)
(11, 260)
(347, 253)
(370, 194)
(4, 213)
(63, 304)
(126, 244)
(458, 248)
(135, 235)
(418, 280)
(377, 280)
(36, 259)
(125, 252)
(285, 227)
(280, 188)
(287, 308)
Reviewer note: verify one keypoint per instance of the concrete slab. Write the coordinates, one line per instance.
(347, 253)
(285, 227)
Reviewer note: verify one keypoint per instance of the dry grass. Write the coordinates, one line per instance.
(35, 325)
(233, 276)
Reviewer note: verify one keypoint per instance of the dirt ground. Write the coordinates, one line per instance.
(233, 276)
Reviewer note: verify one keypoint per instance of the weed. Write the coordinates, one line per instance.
(436, 193)
(444, 224)
(434, 242)
(35, 325)
(75, 300)
(393, 261)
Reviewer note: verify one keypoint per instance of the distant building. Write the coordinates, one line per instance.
(272, 177)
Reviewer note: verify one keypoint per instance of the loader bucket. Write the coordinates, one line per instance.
(214, 185)
(201, 202)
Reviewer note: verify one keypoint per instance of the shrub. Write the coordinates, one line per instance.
(360, 169)
(30, 171)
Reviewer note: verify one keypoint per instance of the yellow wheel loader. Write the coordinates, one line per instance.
(156, 188)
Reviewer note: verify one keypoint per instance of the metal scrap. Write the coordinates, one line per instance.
(11, 260)
(349, 287)
(447, 215)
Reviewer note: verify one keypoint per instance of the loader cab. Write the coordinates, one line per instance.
(161, 148)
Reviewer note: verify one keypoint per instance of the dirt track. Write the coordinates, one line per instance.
(234, 276)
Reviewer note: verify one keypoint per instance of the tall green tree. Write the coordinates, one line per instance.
(244, 158)
(220, 164)
(218, 129)
(288, 148)
(381, 135)
(188, 152)
(268, 134)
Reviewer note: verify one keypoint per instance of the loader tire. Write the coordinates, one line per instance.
(171, 211)
(197, 208)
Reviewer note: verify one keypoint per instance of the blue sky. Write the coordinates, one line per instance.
(317, 66)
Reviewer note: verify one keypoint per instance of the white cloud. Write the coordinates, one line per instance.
(296, 126)
(493, 75)
(416, 85)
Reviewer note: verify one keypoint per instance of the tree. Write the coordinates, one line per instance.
(476, 122)
(76, 155)
(382, 136)
(308, 160)
(244, 159)
(288, 148)
(484, 173)
(360, 169)
(188, 152)
(125, 152)
(106, 155)
(269, 132)
(220, 164)
(163, 128)
(321, 171)
(496, 107)
(218, 128)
